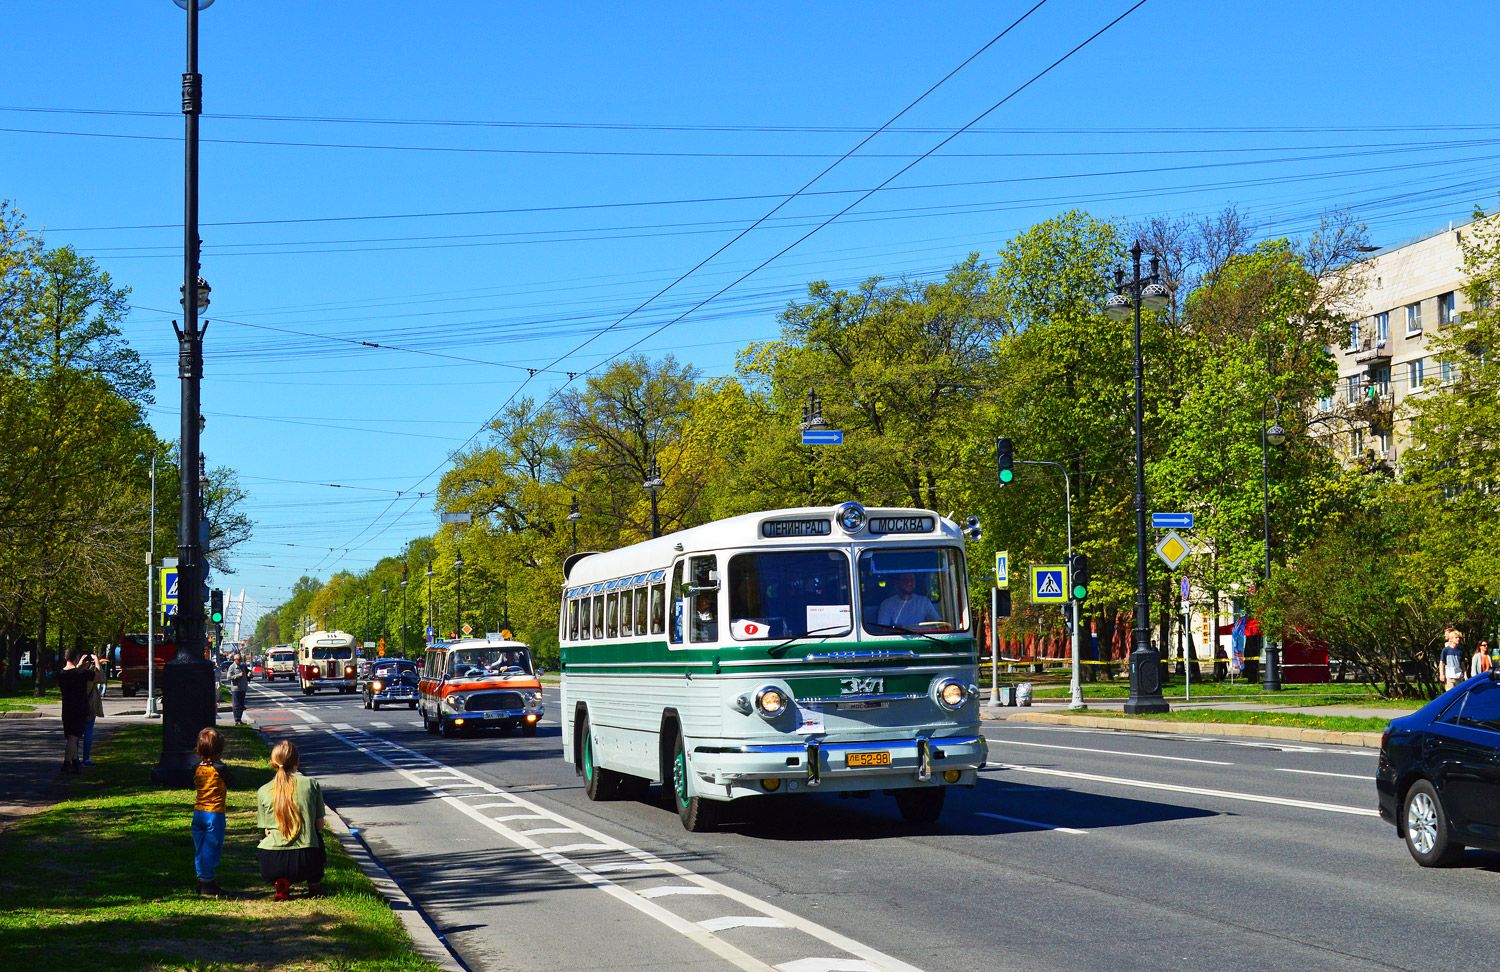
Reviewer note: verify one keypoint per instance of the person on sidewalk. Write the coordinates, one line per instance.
(290, 810)
(96, 706)
(1480, 663)
(239, 683)
(211, 780)
(1451, 661)
(73, 683)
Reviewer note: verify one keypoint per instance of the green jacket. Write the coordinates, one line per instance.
(308, 797)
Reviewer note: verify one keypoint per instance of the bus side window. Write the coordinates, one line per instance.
(704, 604)
(679, 602)
(627, 601)
(612, 616)
(573, 619)
(658, 608)
(598, 615)
(640, 610)
(583, 619)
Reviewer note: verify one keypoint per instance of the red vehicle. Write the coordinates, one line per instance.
(128, 660)
(325, 659)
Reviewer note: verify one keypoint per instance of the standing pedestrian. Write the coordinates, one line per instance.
(211, 780)
(239, 684)
(1480, 663)
(290, 810)
(1451, 661)
(73, 683)
(96, 705)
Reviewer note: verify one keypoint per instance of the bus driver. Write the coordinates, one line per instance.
(904, 609)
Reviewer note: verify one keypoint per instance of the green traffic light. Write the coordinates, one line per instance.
(1080, 592)
(216, 617)
(1006, 475)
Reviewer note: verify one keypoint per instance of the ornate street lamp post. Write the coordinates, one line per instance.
(573, 517)
(1270, 655)
(654, 485)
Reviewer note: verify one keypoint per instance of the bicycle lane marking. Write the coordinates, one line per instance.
(874, 959)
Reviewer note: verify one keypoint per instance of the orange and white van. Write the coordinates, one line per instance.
(479, 683)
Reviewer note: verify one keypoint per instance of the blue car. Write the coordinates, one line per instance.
(1439, 776)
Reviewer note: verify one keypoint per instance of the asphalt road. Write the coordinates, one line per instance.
(1079, 849)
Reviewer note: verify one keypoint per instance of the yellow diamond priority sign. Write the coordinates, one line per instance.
(1172, 549)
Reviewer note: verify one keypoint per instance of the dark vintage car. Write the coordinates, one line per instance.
(391, 681)
(1439, 776)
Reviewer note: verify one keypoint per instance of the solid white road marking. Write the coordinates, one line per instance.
(574, 848)
(740, 921)
(486, 806)
(1348, 776)
(517, 816)
(665, 890)
(1029, 823)
(871, 960)
(1197, 790)
(826, 965)
(549, 830)
(1108, 752)
(610, 866)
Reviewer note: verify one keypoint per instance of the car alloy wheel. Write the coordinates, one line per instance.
(1421, 822)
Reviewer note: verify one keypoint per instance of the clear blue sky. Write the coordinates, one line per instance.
(1282, 108)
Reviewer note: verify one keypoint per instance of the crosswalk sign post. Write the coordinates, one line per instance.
(1049, 584)
(1002, 569)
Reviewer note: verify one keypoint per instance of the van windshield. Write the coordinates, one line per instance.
(479, 662)
(281, 656)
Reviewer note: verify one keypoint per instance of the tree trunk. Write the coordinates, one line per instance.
(39, 661)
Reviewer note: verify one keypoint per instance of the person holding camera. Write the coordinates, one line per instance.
(75, 682)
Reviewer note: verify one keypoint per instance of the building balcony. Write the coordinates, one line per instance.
(1377, 355)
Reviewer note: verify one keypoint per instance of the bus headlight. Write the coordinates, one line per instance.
(952, 694)
(770, 702)
(348, 669)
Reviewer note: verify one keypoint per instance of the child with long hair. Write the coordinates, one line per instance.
(290, 810)
(211, 781)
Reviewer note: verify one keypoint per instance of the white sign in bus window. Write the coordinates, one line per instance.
(747, 628)
(809, 719)
(827, 619)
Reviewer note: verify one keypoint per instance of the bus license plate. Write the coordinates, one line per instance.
(868, 759)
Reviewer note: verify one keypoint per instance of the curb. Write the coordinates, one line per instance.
(21, 714)
(428, 943)
(1326, 737)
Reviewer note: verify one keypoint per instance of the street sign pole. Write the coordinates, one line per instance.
(1075, 683)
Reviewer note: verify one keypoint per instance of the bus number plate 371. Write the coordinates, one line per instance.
(861, 686)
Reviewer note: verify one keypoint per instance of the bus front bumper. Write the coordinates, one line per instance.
(838, 766)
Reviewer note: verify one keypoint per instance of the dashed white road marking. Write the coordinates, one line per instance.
(740, 921)
(382, 725)
(1108, 752)
(1029, 823)
(486, 806)
(866, 959)
(517, 816)
(1348, 776)
(1195, 790)
(548, 830)
(343, 727)
(670, 889)
(574, 848)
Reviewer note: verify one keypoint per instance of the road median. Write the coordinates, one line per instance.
(1247, 729)
(104, 879)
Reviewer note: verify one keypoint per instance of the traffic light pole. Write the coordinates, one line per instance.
(1075, 687)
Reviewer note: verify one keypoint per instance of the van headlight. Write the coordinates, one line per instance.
(456, 702)
(770, 702)
(952, 694)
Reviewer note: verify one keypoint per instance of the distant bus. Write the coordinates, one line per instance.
(128, 658)
(815, 649)
(325, 659)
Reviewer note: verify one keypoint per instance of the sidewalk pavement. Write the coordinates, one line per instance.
(33, 755)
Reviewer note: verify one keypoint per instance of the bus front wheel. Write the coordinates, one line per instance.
(599, 783)
(921, 806)
(696, 813)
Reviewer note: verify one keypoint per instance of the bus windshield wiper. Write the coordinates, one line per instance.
(910, 631)
(798, 637)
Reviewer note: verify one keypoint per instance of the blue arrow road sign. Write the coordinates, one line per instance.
(1172, 521)
(822, 437)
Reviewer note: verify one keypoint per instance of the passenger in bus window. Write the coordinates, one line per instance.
(705, 617)
(658, 608)
(640, 611)
(906, 608)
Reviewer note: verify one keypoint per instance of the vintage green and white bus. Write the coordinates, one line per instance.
(815, 649)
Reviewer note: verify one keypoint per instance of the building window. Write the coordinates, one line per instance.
(1383, 380)
(1354, 335)
(1382, 327)
(1414, 318)
(1353, 388)
(1383, 440)
(1359, 443)
(1414, 373)
(1449, 370)
(1445, 309)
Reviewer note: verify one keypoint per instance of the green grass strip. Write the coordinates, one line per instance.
(105, 880)
(1295, 720)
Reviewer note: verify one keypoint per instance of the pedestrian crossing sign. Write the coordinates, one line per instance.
(1049, 584)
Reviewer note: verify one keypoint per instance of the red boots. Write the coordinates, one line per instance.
(283, 890)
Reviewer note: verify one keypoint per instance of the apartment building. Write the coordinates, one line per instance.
(1412, 289)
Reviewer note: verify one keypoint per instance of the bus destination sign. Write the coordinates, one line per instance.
(901, 524)
(773, 529)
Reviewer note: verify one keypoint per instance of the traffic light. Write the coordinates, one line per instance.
(1080, 575)
(1001, 603)
(216, 606)
(1005, 460)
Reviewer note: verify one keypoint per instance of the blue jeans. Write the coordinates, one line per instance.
(88, 738)
(208, 842)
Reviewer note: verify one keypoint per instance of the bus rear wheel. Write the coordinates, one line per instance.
(696, 813)
(921, 806)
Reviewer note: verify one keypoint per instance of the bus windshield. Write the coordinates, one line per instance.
(325, 654)
(911, 589)
(479, 662)
(784, 594)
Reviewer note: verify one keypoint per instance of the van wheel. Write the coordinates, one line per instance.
(375, 705)
(921, 806)
(528, 729)
(429, 725)
(599, 783)
(696, 813)
(446, 729)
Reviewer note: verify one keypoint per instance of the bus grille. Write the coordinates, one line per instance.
(494, 700)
